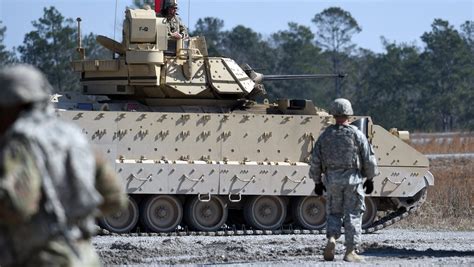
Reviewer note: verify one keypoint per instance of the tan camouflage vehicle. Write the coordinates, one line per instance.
(195, 151)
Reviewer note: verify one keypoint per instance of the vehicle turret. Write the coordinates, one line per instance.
(151, 66)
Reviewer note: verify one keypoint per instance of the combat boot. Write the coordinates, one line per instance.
(351, 256)
(330, 249)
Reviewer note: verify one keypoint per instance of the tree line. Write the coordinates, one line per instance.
(428, 88)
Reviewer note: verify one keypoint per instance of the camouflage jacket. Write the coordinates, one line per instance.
(344, 155)
(47, 185)
(176, 25)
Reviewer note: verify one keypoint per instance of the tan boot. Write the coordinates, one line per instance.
(330, 249)
(351, 256)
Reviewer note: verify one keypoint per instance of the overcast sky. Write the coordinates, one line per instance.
(403, 21)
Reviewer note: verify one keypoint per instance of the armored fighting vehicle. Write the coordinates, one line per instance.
(195, 151)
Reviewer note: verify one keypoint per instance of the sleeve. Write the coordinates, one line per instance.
(108, 185)
(168, 25)
(368, 161)
(316, 169)
(182, 28)
(20, 183)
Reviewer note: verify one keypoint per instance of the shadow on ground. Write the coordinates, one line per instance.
(377, 250)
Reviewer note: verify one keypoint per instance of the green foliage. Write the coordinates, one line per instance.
(6, 56)
(93, 49)
(50, 47)
(390, 89)
(429, 89)
(294, 52)
(448, 68)
(467, 110)
(211, 28)
(241, 43)
(246, 46)
(468, 33)
(296, 42)
(335, 30)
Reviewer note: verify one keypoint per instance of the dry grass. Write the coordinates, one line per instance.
(449, 204)
(436, 144)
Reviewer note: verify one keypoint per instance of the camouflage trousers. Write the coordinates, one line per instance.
(58, 253)
(345, 204)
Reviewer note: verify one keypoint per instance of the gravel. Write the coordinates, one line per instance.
(392, 247)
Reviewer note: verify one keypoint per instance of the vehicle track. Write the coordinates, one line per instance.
(380, 224)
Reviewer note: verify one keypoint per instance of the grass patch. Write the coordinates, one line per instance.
(449, 204)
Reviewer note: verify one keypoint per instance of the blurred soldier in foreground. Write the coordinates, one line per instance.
(343, 154)
(51, 183)
(176, 28)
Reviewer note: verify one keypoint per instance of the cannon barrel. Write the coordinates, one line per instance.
(259, 77)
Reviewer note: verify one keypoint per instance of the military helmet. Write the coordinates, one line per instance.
(22, 84)
(341, 107)
(171, 3)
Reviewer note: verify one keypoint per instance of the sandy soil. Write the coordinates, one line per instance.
(392, 247)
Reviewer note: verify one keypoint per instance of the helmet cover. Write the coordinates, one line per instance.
(23, 84)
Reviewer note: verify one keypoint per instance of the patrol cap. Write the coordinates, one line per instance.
(341, 107)
(22, 84)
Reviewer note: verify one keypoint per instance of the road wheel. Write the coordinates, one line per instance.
(310, 212)
(370, 212)
(161, 213)
(205, 216)
(123, 221)
(265, 212)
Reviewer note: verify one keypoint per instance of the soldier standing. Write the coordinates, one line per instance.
(343, 154)
(51, 183)
(176, 29)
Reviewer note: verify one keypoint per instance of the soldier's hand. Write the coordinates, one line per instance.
(319, 188)
(176, 35)
(369, 186)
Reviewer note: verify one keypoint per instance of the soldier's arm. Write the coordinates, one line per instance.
(316, 169)
(183, 30)
(20, 183)
(108, 185)
(369, 162)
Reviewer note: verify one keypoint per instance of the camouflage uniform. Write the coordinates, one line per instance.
(176, 25)
(343, 154)
(48, 183)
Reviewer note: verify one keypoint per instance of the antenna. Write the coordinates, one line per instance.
(115, 24)
(79, 48)
(115, 17)
(189, 12)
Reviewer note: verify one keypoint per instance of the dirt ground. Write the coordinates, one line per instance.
(391, 247)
